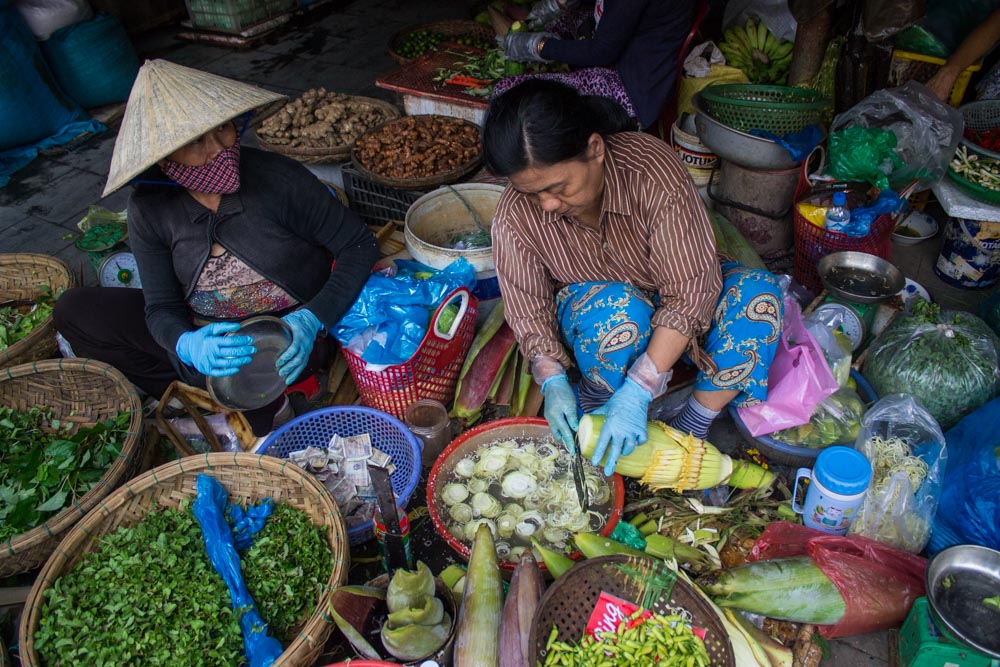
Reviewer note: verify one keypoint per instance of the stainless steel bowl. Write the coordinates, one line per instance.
(958, 579)
(860, 277)
(742, 148)
(257, 383)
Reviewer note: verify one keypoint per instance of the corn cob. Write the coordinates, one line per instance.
(478, 633)
(674, 460)
(789, 589)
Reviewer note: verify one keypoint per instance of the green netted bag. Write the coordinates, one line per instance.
(945, 359)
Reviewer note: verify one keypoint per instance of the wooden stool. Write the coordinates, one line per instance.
(194, 399)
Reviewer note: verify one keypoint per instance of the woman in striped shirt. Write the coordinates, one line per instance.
(606, 260)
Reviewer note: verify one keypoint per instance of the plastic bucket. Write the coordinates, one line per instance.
(970, 253)
(694, 155)
(759, 203)
(437, 218)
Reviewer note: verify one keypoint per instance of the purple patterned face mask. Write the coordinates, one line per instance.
(221, 176)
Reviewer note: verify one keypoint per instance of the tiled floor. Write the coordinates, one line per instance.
(340, 46)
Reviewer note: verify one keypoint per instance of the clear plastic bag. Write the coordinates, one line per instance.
(835, 421)
(885, 18)
(826, 326)
(907, 451)
(945, 359)
(927, 132)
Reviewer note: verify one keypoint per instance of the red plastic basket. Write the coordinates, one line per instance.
(431, 373)
(813, 243)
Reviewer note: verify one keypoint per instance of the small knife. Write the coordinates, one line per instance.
(580, 479)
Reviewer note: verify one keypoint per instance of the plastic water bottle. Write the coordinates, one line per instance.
(838, 215)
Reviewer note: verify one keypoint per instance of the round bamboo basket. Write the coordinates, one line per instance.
(421, 183)
(21, 277)
(451, 28)
(84, 392)
(247, 478)
(331, 154)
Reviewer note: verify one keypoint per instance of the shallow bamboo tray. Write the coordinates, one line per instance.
(247, 478)
(84, 392)
(21, 275)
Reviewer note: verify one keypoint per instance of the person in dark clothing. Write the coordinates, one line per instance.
(220, 234)
(631, 58)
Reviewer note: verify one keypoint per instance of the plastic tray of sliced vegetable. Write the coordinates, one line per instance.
(511, 475)
(978, 175)
(836, 421)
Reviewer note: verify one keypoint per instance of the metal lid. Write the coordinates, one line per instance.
(257, 383)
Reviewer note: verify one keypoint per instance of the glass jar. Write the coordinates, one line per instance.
(428, 420)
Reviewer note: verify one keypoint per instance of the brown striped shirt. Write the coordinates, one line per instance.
(654, 233)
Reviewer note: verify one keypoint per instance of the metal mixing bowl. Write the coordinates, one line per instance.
(860, 277)
(257, 383)
(742, 148)
(958, 579)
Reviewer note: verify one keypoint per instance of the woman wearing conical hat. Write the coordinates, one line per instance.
(220, 233)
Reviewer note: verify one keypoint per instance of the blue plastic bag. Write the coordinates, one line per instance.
(248, 522)
(863, 217)
(210, 510)
(969, 508)
(798, 144)
(389, 319)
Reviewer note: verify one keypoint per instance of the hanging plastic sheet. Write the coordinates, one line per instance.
(210, 510)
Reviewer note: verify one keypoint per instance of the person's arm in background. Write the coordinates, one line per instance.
(973, 47)
(613, 34)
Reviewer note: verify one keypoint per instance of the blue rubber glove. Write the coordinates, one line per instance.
(561, 410)
(305, 326)
(625, 417)
(213, 353)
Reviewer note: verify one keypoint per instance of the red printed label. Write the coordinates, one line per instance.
(608, 613)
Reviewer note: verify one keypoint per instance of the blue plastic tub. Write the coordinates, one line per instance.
(792, 455)
(315, 429)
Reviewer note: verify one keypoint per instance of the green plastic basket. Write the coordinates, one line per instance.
(981, 116)
(974, 189)
(778, 109)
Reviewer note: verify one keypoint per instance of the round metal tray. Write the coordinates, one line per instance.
(257, 383)
(958, 579)
(860, 277)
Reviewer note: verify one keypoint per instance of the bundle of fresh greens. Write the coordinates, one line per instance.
(945, 359)
(44, 466)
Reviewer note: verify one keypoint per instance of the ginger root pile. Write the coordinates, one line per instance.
(321, 119)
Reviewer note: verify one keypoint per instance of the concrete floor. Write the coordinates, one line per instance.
(341, 46)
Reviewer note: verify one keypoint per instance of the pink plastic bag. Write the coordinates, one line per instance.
(798, 379)
(879, 583)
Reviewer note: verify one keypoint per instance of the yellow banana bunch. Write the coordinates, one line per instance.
(755, 50)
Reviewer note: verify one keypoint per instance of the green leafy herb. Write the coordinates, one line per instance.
(44, 466)
(16, 322)
(286, 569)
(149, 595)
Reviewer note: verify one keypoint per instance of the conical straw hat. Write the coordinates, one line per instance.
(170, 106)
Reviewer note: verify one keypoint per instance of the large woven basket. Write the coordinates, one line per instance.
(21, 277)
(422, 183)
(450, 28)
(333, 154)
(247, 478)
(83, 392)
(569, 601)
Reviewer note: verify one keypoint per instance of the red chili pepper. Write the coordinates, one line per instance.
(468, 81)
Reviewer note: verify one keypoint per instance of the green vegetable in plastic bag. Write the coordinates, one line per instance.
(945, 359)
(447, 318)
(863, 154)
(835, 421)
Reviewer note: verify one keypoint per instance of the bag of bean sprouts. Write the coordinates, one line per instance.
(907, 451)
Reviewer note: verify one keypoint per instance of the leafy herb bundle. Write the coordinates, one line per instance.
(148, 596)
(44, 467)
(286, 569)
(15, 324)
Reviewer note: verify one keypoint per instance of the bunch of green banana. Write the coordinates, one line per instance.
(755, 50)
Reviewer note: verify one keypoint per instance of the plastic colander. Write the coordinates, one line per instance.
(388, 434)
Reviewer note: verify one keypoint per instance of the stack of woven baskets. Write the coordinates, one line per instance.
(25, 276)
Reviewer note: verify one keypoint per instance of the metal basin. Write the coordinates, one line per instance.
(860, 277)
(742, 148)
(958, 579)
(257, 383)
